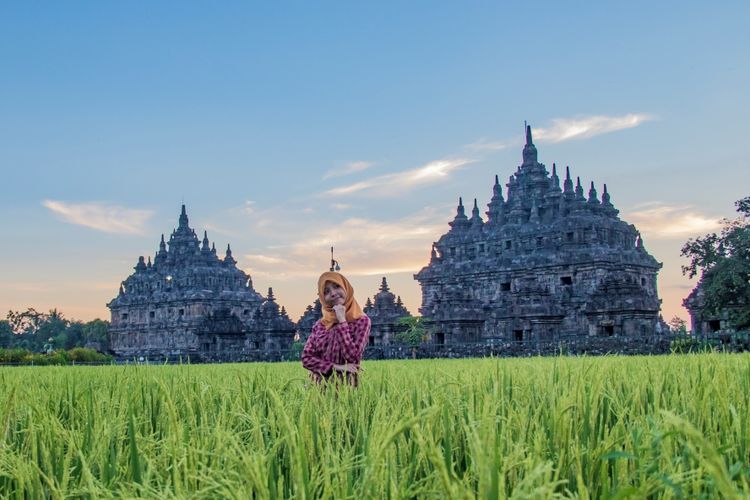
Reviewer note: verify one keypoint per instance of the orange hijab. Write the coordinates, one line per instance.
(353, 311)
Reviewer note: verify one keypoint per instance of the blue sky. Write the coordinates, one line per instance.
(286, 128)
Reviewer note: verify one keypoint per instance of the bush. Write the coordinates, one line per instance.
(77, 355)
(13, 355)
(84, 355)
(56, 358)
(686, 345)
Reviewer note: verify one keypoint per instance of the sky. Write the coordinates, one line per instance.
(288, 127)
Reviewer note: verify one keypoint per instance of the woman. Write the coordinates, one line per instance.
(335, 346)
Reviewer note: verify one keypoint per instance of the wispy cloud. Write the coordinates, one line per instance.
(393, 184)
(565, 129)
(484, 144)
(349, 168)
(663, 222)
(264, 259)
(101, 216)
(364, 246)
(248, 207)
(341, 206)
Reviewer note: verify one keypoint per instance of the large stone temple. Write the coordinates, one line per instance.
(191, 302)
(548, 263)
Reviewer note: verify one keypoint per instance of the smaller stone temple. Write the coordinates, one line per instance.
(701, 322)
(191, 302)
(311, 316)
(384, 313)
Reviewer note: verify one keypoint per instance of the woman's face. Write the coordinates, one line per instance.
(333, 294)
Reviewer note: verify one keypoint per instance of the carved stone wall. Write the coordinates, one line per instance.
(546, 264)
(188, 301)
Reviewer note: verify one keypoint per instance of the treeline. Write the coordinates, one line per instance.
(33, 330)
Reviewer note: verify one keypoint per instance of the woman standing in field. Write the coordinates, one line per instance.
(335, 346)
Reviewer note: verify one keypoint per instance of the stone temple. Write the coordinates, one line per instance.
(190, 302)
(384, 313)
(384, 309)
(548, 263)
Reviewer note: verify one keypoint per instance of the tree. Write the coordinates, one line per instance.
(678, 326)
(6, 335)
(96, 332)
(723, 262)
(415, 333)
(53, 325)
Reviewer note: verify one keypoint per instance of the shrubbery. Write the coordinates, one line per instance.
(77, 355)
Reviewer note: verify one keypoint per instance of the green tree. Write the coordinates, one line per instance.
(96, 332)
(416, 332)
(678, 326)
(53, 325)
(74, 336)
(723, 262)
(6, 335)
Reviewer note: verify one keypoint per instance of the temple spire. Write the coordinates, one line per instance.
(593, 197)
(579, 189)
(609, 209)
(495, 206)
(555, 179)
(205, 247)
(460, 220)
(228, 259)
(183, 218)
(384, 285)
(529, 142)
(568, 184)
(476, 219)
(529, 150)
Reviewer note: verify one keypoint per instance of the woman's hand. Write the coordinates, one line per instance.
(346, 368)
(340, 313)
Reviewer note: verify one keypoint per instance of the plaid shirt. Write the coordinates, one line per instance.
(342, 344)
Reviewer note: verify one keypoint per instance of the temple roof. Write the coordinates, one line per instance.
(185, 268)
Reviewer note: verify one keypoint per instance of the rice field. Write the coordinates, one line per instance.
(662, 427)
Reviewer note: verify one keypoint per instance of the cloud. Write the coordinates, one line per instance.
(264, 259)
(565, 129)
(393, 184)
(349, 168)
(485, 145)
(214, 229)
(341, 206)
(363, 247)
(663, 222)
(249, 207)
(101, 216)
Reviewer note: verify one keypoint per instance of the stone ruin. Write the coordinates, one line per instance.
(384, 313)
(548, 263)
(190, 302)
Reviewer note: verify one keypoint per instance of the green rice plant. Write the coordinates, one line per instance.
(660, 427)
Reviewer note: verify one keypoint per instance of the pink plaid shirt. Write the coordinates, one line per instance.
(342, 344)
